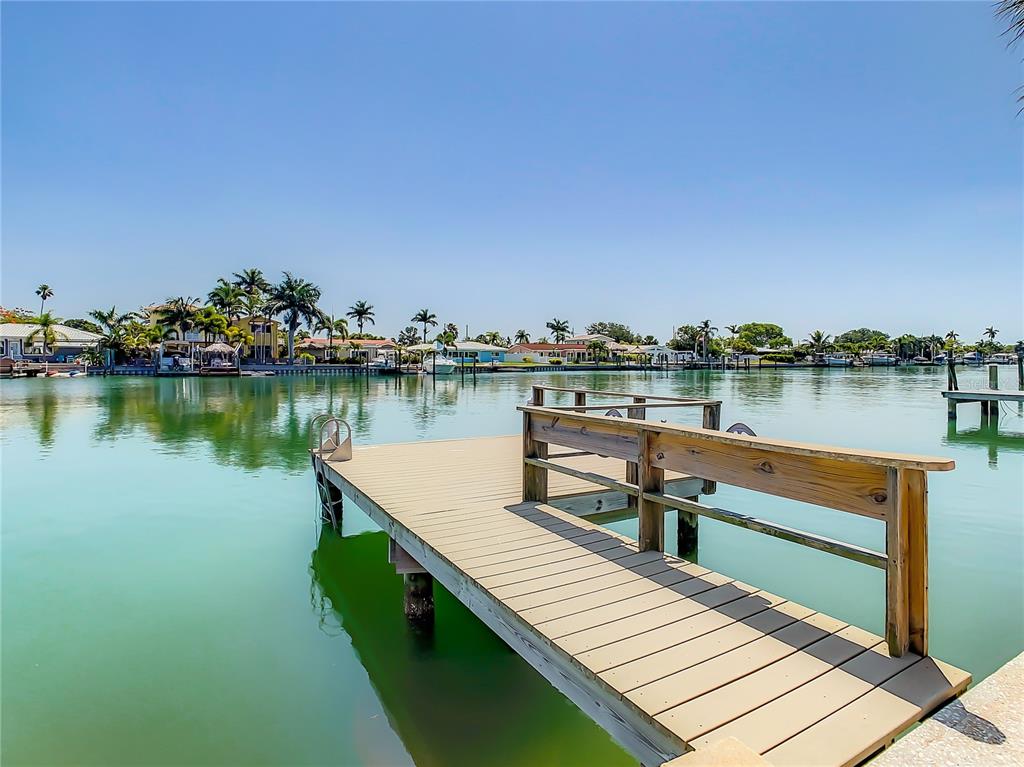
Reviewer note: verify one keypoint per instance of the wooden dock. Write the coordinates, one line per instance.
(665, 654)
(989, 399)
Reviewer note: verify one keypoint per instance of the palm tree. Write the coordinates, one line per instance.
(361, 312)
(522, 337)
(228, 299)
(47, 330)
(296, 299)
(255, 286)
(251, 281)
(559, 329)
(452, 329)
(210, 323)
(334, 327)
(819, 341)
(705, 331)
(179, 313)
(733, 330)
(44, 291)
(951, 338)
(991, 332)
(425, 317)
(543, 340)
(598, 349)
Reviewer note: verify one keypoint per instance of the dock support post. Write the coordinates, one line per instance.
(993, 376)
(686, 533)
(651, 515)
(419, 598)
(951, 409)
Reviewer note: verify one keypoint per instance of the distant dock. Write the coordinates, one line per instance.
(668, 656)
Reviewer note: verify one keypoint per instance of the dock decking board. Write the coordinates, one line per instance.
(665, 654)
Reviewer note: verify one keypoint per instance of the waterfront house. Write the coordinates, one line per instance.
(363, 349)
(265, 331)
(15, 342)
(544, 353)
(467, 352)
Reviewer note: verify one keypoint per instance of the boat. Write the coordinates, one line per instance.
(940, 358)
(380, 362)
(839, 360)
(973, 358)
(875, 359)
(919, 360)
(1003, 358)
(438, 364)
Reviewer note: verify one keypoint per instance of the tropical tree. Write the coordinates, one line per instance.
(819, 341)
(178, 313)
(296, 299)
(705, 330)
(44, 291)
(335, 326)
(425, 317)
(448, 339)
(452, 328)
(543, 340)
(733, 330)
(522, 337)
(252, 281)
(1012, 12)
(228, 299)
(991, 333)
(362, 313)
(559, 329)
(47, 331)
(409, 337)
(210, 323)
(598, 348)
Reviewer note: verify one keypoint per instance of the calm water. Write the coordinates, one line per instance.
(168, 599)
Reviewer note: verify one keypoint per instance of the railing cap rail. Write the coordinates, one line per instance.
(853, 455)
(652, 397)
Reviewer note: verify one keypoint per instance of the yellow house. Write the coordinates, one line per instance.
(264, 330)
(265, 333)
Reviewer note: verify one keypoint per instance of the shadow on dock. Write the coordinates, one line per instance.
(455, 694)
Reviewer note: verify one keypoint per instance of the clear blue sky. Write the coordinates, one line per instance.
(818, 165)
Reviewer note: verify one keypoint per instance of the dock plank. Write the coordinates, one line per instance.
(664, 653)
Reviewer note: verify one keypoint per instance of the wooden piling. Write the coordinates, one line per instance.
(651, 515)
(993, 376)
(686, 533)
(419, 598)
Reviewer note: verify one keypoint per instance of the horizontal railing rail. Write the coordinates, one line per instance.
(889, 487)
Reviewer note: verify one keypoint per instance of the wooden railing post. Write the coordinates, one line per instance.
(906, 578)
(651, 515)
(535, 479)
(632, 473)
(538, 396)
(712, 420)
(580, 399)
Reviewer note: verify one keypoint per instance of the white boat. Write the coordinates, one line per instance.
(878, 358)
(940, 358)
(380, 362)
(438, 364)
(919, 360)
(1003, 358)
(973, 358)
(839, 360)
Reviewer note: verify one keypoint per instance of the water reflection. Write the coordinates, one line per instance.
(987, 436)
(431, 683)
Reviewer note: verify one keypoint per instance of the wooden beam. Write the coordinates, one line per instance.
(913, 502)
(712, 421)
(845, 550)
(588, 476)
(851, 455)
(615, 437)
(632, 470)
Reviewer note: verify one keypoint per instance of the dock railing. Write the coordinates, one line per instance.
(889, 487)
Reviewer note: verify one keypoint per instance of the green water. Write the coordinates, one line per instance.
(168, 599)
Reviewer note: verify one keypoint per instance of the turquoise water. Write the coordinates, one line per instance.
(168, 598)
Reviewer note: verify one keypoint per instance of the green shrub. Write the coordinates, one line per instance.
(528, 359)
(306, 358)
(779, 357)
(555, 361)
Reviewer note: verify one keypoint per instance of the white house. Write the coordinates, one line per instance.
(17, 342)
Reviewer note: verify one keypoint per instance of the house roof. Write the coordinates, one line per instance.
(591, 337)
(548, 347)
(63, 332)
(372, 343)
